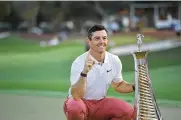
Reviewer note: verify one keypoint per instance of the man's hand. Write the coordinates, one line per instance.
(88, 64)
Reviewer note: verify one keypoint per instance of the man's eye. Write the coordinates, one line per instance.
(97, 38)
(105, 38)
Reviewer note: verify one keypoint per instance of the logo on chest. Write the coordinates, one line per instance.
(109, 70)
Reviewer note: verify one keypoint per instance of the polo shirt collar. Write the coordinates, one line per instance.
(105, 58)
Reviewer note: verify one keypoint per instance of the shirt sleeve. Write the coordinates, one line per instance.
(75, 72)
(118, 72)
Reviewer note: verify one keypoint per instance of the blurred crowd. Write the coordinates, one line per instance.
(39, 20)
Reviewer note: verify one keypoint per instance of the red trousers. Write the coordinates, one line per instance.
(104, 109)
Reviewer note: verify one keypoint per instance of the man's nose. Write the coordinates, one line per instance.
(101, 40)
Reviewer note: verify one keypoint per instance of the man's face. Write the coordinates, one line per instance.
(99, 41)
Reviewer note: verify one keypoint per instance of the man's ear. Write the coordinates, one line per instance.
(88, 41)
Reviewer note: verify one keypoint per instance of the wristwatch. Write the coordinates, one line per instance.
(83, 74)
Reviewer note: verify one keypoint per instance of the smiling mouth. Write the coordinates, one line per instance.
(101, 46)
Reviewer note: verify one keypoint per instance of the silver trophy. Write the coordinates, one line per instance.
(145, 105)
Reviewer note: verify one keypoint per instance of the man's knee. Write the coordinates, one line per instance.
(128, 115)
(129, 112)
(76, 105)
(75, 108)
(121, 109)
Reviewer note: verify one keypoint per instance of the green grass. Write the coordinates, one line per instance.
(16, 44)
(36, 68)
(159, 59)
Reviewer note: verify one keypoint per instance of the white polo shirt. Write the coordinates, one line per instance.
(99, 78)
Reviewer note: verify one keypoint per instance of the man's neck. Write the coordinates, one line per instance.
(98, 56)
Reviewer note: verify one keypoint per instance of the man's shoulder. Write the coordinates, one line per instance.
(111, 56)
(114, 59)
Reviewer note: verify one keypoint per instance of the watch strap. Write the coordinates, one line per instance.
(83, 74)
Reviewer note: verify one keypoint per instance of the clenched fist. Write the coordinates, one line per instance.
(88, 64)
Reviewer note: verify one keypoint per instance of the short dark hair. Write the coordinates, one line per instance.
(94, 29)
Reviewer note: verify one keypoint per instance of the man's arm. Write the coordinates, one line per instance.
(78, 78)
(78, 89)
(118, 83)
(123, 87)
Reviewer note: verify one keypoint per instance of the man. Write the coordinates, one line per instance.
(177, 29)
(91, 75)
